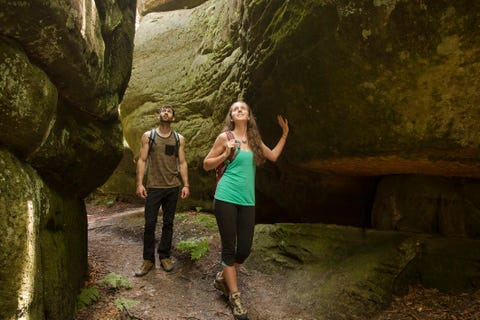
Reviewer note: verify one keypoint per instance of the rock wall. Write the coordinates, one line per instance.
(64, 68)
(147, 6)
(354, 273)
(371, 89)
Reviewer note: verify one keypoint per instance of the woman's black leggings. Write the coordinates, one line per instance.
(236, 224)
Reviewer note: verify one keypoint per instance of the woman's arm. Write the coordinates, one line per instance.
(273, 154)
(220, 151)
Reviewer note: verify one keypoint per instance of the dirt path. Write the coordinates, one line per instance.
(115, 245)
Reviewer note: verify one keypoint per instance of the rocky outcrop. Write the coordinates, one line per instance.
(64, 69)
(367, 95)
(353, 272)
(426, 204)
(147, 6)
(121, 184)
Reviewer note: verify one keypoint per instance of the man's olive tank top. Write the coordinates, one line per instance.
(162, 163)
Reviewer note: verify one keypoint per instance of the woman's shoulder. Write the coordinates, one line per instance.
(224, 135)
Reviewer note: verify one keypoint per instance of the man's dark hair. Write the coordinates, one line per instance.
(167, 107)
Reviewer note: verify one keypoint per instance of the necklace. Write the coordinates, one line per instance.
(244, 139)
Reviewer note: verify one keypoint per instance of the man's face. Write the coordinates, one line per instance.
(166, 115)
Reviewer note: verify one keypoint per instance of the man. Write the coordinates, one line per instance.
(166, 160)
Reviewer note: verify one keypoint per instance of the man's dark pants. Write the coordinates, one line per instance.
(167, 199)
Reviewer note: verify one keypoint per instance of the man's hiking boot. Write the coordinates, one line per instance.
(167, 264)
(220, 284)
(239, 311)
(147, 265)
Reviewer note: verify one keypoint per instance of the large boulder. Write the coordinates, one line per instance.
(355, 272)
(64, 68)
(43, 247)
(370, 88)
(426, 204)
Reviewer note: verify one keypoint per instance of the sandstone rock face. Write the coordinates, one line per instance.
(64, 69)
(370, 88)
(355, 272)
(147, 6)
(121, 186)
(425, 204)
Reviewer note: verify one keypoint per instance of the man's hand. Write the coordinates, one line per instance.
(141, 191)
(185, 192)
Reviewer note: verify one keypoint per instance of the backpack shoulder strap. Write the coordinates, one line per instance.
(177, 142)
(151, 139)
(232, 155)
(230, 135)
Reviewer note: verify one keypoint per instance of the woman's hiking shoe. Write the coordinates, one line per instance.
(220, 284)
(167, 264)
(239, 311)
(147, 265)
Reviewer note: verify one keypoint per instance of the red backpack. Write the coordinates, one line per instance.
(220, 169)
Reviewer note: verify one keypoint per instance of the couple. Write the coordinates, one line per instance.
(234, 209)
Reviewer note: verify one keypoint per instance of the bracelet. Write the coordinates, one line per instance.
(186, 186)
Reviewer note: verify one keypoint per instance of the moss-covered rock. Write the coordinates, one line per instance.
(64, 69)
(43, 247)
(427, 204)
(28, 100)
(22, 198)
(366, 94)
(355, 272)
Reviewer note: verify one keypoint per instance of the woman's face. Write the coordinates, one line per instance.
(239, 111)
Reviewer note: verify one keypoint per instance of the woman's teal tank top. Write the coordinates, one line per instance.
(237, 184)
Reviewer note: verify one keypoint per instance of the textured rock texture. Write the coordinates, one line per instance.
(353, 273)
(147, 6)
(371, 89)
(64, 68)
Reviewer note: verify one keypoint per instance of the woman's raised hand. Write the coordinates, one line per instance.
(283, 123)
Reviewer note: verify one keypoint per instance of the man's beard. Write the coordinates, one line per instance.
(168, 120)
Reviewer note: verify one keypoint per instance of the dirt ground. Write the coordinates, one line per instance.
(115, 245)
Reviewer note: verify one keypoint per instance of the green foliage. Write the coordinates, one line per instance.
(116, 281)
(87, 297)
(195, 247)
(124, 304)
(198, 209)
(181, 217)
(206, 220)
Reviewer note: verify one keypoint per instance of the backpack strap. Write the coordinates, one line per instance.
(177, 146)
(177, 142)
(220, 169)
(151, 140)
(232, 155)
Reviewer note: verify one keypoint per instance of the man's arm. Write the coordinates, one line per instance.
(183, 168)
(141, 165)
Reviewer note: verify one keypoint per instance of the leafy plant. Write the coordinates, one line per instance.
(116, 281)
(206, 220)
(195, 247)
(123, 304)
(87, 297)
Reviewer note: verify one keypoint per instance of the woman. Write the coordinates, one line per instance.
(234, 201)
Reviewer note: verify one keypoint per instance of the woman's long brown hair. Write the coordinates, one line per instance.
(253, 135)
